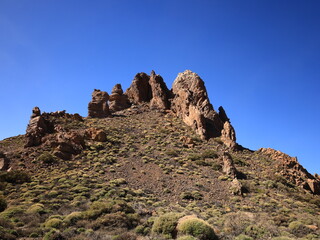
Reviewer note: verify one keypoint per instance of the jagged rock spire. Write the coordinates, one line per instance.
(98, 107)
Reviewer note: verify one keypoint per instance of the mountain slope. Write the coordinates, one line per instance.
(120, 176)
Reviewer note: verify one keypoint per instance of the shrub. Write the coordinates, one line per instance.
(187, 237)
(197, 228)
(53, 223)
(243, 237)
(166, 224)
(73, 217)
(298, 229)
(36, 208)
(47, 158)
(3, 204)
(15, 176)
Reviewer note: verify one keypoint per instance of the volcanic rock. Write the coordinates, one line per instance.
(228, 135)
(36, 128)
(96, 135)
(67, 144)
(118, 101)
(290, 169)
(160, 92)
(236, 187)
(140, 89)
(191, 103)
(35, 112)
(4, 162)
(98, 107)
(228, 165)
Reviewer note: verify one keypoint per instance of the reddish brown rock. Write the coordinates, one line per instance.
(35, 112)
(4, 162)
(140, 89)
(68, 144)
(36, 129)
(98, 107)
(236, 187)
(96, 135)
(118, 101)
(290, 168)
(191, 103)
(228, 135)
(160, 92)
(228, 165)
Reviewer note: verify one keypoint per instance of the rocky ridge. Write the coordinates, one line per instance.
(143, 154)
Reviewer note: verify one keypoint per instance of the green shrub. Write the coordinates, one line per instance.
(47, 158)
(166, 224)
(186, 237)
(197, 228)
(3, 204)
(53, 223)
(255, 231)
(243, 237)
(73, 217)
(36, 208)
(298, 229)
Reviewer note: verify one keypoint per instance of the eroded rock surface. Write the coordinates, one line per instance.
(118, 101)
(36, 128)
(98, 107)
(228, 165)
(290, 168)
(160, 92)
(191, 103)
(140, 89)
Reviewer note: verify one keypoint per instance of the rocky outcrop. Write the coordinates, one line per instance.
(98, 107)
(149, 89)
(68, 144)
(140, 89)
(290, 169)
(4, 162)
(228, 165)
(36, 128)
(160, 92)
(118, 101)
(228, 135)
(191, 103)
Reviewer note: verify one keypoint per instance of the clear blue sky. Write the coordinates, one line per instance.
(259, 59)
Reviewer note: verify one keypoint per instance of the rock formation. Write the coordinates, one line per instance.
(67, 144)
(96, 134)
(4, 162)
(150, 89)
(191, 103)
(228, 165)
(36, 128)
(98, 107)
(290, 168)
(160, 92)
(228, 135)
(118, 101)
(140, 89)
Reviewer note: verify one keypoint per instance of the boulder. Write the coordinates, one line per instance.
(160, 92)
(191, 103)
(236, 187)
(35, 112)
(4, 162)
(228, 165)
(68, 144)
(228, 135)
(98, 107)
(118, 101)
(96, 135)
(140, 89)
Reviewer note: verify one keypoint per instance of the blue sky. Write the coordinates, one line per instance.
(259, 60)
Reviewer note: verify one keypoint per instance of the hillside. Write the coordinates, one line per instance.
(150, 163)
